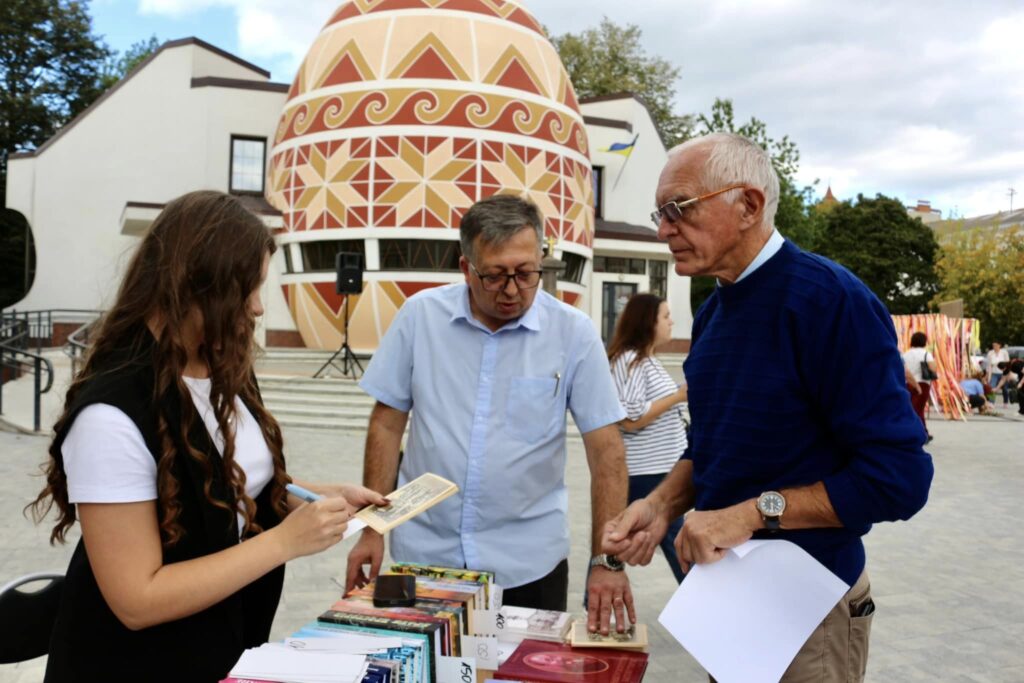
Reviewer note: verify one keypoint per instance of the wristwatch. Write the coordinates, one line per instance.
(609, 562)
(771, 505)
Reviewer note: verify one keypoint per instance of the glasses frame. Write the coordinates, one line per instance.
(486, 280)
(661, 213)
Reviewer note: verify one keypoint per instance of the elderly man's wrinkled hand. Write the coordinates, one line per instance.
(634, 534)
(608, 593)
(707, 535)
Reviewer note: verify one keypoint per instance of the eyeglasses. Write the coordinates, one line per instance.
(673, 211)
(496, 282)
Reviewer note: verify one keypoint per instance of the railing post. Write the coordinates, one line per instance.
(3, 375)
(38, 393)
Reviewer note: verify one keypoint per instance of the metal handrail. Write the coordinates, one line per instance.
(77, 344)
(9, 347)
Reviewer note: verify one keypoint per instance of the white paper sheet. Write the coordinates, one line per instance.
(278, 662)
(745, 617)
(354, 644)
(354, 527)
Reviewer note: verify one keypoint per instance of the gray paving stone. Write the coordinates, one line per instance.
(949, 584)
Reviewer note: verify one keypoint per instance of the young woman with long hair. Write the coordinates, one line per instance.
(175, 471)
(653, 430)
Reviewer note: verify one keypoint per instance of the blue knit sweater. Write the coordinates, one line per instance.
(795, 377)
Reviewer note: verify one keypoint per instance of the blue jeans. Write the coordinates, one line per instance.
(640, 485)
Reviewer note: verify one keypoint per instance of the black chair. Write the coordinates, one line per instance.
(26, 618)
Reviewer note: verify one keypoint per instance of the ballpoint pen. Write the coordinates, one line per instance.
(304, 494)
(558, 380)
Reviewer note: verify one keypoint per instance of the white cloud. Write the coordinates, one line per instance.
(918, 99)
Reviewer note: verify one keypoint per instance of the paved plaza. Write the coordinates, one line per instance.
(949, 584)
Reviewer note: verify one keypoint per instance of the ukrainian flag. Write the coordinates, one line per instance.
(623, 148)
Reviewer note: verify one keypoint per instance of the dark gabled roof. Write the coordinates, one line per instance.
(238, 83)
(607, 123)
(139, 67)
(618, 230)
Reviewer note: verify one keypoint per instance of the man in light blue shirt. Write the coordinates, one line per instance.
(488, 369)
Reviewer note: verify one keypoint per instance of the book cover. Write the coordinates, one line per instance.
(536, 661)
(447, 620)
(476, 575)
(407, 501)
(443, 607)
(433, 631)
(419, 665)
(519, 623)
(634, 638)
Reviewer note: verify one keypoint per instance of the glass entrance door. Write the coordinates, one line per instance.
(614, 298)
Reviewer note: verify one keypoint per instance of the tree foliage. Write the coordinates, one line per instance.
(608, 59)
(891, 252)
(985, 268)
(119, 66)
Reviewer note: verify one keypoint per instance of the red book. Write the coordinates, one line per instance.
(536, 661)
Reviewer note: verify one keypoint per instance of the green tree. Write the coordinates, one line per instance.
(608, 60)
(50, 68)
(120, 65)
(892, 253)
(985, 268)
(795, 217)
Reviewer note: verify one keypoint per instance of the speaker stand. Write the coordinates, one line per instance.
(349, 362)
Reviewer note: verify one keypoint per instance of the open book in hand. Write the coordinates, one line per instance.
(407, 501)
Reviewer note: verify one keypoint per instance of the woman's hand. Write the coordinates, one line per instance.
(313, 527)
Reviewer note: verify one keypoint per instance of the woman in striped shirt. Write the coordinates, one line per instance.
(653, 430)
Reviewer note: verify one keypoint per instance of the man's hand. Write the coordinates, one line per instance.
(706, 535)
(634, 534)
(608, 592)
(368, 550)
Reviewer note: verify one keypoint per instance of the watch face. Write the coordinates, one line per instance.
(771, 504)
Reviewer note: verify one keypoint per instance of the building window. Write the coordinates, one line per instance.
(620, 264)
(288, 267)
(427, 255)
(659, 278)
(574, 264)
(248, 161)
(597, 173)
(318, 257)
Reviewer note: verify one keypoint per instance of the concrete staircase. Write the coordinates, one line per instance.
(337, 404)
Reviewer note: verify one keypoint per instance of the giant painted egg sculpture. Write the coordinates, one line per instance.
(404, 113)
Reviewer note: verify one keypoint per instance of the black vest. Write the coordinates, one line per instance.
(89, 643)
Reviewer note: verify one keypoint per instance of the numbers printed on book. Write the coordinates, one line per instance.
(500, 621)
(467, 673)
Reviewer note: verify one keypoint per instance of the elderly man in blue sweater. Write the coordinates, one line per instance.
(801, 427)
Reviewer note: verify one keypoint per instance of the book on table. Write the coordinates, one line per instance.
(633, 638)
(537, 661)
(519, 623)
(407, 501)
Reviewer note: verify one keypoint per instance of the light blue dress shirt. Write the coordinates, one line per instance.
(488, 412)
(770, 248)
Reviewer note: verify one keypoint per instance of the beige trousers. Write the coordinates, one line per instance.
(837, 651)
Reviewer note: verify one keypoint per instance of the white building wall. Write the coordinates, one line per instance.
(152, 139)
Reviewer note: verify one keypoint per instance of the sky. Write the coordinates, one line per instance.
(918, 99)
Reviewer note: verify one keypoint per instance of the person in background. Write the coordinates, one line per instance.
(974, 387)
(653, 430)
(167, 458)
(919, 388)
(997, 355)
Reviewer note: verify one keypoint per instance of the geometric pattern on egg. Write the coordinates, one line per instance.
(405, 112)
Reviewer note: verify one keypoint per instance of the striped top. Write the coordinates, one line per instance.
(656, 448)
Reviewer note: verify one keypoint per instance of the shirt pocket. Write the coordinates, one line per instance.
(532, 408)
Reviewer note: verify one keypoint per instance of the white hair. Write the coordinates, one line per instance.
(735, 159)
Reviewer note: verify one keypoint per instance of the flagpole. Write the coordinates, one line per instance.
(632, 146)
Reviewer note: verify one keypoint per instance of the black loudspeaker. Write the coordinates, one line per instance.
(348, 265)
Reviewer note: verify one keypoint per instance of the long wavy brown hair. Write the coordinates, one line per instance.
(635, 328)
(203, 255)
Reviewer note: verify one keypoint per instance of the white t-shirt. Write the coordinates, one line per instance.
(106, 459)
(912, 358)
(994, 358)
